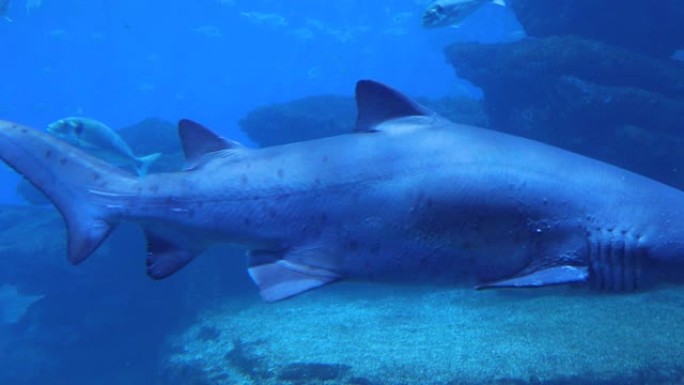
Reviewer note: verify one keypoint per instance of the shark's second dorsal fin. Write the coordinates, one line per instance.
(377, 103)
(198, 141)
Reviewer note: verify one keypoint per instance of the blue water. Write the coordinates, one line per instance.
(122, 61)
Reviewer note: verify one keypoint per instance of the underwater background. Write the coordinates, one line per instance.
(604, 79)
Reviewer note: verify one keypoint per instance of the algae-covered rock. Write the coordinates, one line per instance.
(654, 27)
(322, 116)
(386, 335)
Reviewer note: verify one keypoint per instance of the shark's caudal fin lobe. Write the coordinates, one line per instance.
(281, 276)
(79, 185)
(198, 141)
(377, 103)
(166, 253)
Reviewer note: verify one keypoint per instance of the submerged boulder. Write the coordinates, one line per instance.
(654, 27)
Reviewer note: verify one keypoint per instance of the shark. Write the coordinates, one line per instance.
(407, 196)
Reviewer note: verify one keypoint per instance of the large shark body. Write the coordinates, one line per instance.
(409, 196)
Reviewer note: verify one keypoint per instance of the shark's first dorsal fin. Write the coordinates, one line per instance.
(198, 141)
(377, 103)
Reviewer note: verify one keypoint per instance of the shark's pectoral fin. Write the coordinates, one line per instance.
(281, 276)
(167, 254)
(555, 275)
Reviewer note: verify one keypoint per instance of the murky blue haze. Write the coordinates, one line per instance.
(120, 62)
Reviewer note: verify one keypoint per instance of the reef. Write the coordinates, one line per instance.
(362, 334)
(586, 96)
(326, 115)
(651, 27)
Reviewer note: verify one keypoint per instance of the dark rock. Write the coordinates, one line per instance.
(298, 372)
(156, 135)
(653, 27)
(208, 333)
(585, 96)
(322, 116)
(245, 360)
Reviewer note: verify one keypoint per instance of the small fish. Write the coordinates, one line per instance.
(102, 141)
(14, 304)
(4, 8)
(445, 13)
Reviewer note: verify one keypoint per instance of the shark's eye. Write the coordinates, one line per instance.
(437, 9)
(78, 128)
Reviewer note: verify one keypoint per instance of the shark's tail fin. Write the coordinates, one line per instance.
(87, 191)
(144, 163)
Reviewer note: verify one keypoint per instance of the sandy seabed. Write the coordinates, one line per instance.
(364, 334)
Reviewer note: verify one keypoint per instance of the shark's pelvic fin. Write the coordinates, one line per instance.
(556, 275)
(377, 103)
(198, 141)
(281, 276)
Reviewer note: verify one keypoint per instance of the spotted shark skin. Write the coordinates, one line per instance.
(409, 196)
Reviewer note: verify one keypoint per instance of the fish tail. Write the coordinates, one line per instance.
(87, 191)
(144, 163)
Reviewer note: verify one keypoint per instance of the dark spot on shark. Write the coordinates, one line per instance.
(48, 154)
(271, 212)
(325, 159)
(353, 245)
(324, 218)
(430, 203)
(24, 130)
(281, 173)
(154, 188)
(375, 249)
(96, 176)
(63, 161)
(246, 221)
(317, 182)
(243, 179)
